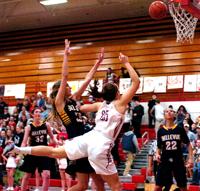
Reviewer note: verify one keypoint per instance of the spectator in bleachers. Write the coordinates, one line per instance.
(3, 104)
(33, 106)
(24, 112)
(18, 136)
(19, 123)
(4, 124)
(198, 120)
(181, 113)
(130, 147)
(9, 136)
(24, 120)
(11, 122)
(48, 105)
(151, 115)
(127, 119)
(184, 122)
(194, 128)
(1, 124)
(15, 114)
(111, 77)
(198, 132)
(137, 113)
(189, 119)
(124, 73)
(196, 168)
(33, 98)
(40, 99)
(159, 115)
(6, 115)
(10, 159)
(44, 112)
(26, 103)
(19, 105)
(192, 138)
(3, 137)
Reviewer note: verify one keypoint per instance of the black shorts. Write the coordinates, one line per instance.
(31, 163)
(166, 171)
(81, 165)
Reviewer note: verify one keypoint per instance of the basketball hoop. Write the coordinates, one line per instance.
(185, 23)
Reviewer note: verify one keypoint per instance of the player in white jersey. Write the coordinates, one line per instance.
(97, 144)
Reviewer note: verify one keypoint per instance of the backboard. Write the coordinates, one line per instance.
(191, 6)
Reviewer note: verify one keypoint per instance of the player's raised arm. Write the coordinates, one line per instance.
(89, 76)
(64, 74)
(128, 95)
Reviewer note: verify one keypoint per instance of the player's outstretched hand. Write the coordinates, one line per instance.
(101, 56)
(123, 58)
(67, 47)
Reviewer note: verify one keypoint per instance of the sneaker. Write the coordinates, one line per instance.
(36, 189)
(11, 188)
(8, 148)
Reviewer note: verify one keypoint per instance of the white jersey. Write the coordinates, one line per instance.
(109, 121)
(98, 143)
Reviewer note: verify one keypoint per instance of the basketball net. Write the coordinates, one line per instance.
(185, 23)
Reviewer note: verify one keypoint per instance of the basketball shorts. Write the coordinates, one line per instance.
(96, 147)
(62, 163)
(31, 163)
(166, 171)
(11, 162)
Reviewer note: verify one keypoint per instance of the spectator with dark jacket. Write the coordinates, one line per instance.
(137, 113)
(3, 104)
(151, 116)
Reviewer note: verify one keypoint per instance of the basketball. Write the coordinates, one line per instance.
(158, 10)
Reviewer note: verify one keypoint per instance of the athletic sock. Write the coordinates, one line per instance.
(23, 150)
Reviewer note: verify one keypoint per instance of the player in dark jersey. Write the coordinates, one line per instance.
(170, 138)
(66, 109)
(36, 133)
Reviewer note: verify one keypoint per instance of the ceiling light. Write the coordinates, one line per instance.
(145, 41)
(52, 2)
(6, 60)
(13, 53)
(75, 47)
